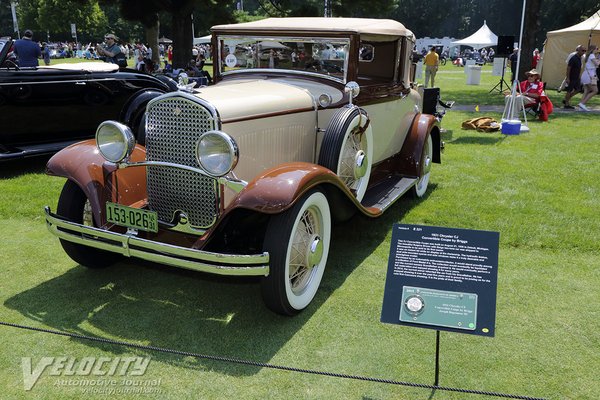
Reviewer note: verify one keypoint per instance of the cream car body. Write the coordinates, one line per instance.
(310, 121)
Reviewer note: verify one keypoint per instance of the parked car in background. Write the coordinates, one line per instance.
(246, 177)
(44, 109)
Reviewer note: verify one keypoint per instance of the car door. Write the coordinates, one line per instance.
(42, 105)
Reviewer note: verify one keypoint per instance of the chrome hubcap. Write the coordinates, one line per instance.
(314, 252)
(360, 164)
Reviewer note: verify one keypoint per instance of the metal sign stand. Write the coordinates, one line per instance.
(502, 82)
(509, 109)
(436, 381)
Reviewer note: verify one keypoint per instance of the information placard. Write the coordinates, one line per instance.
(499, 64)
(442, 278)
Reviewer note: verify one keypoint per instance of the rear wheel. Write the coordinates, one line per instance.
(74, 206)
(298, 244)
(420, 188)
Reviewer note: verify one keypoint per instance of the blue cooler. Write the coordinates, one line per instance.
(511, 126)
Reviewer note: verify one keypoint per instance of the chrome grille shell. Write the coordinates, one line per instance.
(174, 123)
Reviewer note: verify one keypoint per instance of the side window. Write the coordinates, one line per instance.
(377, 61)
(366, 53)
(406, 67)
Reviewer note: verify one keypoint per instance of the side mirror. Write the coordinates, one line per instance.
(353, 89)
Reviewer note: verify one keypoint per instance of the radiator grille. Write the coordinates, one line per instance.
(173, 127)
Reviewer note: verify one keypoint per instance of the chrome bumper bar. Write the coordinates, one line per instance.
(176, 256)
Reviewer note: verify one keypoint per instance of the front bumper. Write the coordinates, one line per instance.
(182, 257)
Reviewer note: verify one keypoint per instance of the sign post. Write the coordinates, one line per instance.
(443, 279)
(13, 9)
(74, 32)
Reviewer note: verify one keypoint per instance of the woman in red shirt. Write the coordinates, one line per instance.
(532, 89)
(532, 93)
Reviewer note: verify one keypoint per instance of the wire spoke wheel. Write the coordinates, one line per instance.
(298, 244)
(74, 206)
(347, 149)
(420, 188)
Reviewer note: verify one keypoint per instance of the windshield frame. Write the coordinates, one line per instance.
(335, 44)
(5, 44)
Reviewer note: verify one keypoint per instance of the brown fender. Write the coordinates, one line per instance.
(410, 155)
(82, 163)
(277, 189)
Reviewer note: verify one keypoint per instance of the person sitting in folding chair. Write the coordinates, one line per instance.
(533, 95)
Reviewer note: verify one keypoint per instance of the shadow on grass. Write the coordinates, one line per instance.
(477, 96)
(189, 311)
(15, 168)
(494, 138)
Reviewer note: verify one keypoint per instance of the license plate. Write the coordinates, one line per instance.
(130, 217)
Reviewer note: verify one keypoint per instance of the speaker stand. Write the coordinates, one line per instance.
(499, 85)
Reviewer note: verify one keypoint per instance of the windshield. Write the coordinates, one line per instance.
(324, 56)
(3, 50)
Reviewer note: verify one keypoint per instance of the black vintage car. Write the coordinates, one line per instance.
(46, 108)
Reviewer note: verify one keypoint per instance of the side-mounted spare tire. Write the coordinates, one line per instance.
(134, 113)
(347, 148)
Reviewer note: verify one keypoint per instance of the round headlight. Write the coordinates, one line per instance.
(217, 153)
(325, 100)
(115, 141)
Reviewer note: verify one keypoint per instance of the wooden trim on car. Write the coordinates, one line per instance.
(266, 115)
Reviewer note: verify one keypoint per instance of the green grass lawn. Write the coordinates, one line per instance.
(539, 190)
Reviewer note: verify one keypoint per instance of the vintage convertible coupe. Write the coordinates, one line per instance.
(245, 177)
(47, 108)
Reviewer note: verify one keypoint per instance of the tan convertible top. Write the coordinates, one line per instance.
(368, 28)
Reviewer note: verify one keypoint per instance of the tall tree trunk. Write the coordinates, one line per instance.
(182, 38)
(530, 30)
(152, 41)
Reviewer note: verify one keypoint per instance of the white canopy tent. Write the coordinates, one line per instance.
(202, 40)
(562, 42)
(484, 37)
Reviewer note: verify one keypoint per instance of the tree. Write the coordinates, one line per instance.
(54, 18)
(58, 15)
(531, 27)
(6, 29)
(147, 12)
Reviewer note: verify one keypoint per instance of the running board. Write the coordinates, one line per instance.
(384, 194)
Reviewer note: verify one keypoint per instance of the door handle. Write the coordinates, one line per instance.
(80, 83)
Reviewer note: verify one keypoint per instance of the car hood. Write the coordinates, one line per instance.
(255, 98)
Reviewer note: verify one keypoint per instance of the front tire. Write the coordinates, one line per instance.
(298, 244)
(74, 206)
(420, 188)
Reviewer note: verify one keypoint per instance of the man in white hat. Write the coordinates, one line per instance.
(111, 49)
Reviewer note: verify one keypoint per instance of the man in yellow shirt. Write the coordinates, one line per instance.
(432, 60)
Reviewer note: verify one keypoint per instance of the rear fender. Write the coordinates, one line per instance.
(422, 125)
(99, 179)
